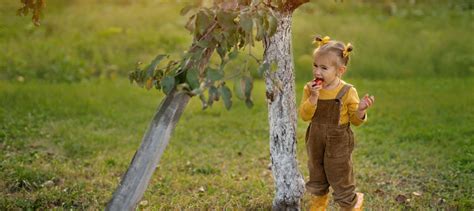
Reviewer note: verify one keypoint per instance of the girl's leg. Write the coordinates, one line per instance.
(341, 177)
(318, 184)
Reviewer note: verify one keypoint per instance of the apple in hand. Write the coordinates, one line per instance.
(318, 81)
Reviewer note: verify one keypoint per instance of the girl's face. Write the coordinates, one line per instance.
(325, 66)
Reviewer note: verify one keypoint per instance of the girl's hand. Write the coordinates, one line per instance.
(366, 102)
(314, 89)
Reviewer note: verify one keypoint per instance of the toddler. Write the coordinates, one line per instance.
(332, 105)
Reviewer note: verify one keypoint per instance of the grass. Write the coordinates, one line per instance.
(66, 145)
(79, 40)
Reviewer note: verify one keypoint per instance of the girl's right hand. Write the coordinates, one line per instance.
(314, 90)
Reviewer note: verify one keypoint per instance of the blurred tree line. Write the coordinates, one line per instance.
(85, 39)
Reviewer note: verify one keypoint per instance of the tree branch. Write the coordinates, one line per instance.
(291, 5)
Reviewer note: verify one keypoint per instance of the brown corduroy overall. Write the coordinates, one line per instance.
(329, 146)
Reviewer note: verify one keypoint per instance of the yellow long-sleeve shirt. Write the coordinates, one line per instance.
(349, 107)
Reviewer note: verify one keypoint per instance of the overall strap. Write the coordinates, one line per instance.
(343, 91)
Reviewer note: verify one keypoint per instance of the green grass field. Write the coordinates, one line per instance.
(66, 145)
(83, 39)
(70, 122)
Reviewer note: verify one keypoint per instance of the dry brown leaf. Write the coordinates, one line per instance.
(379, 192)
(401, 198)
(201, 189)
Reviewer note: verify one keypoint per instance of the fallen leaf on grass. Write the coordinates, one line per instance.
(379, 192)
(201, 189)
(441, 201)
(401, 198)
(416, 193)
(383, 183)
(244, 178)
(48, 183)
(144, 203)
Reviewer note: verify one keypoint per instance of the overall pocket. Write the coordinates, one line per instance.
(338, 146)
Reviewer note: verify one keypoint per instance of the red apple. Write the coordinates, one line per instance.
(318, 81)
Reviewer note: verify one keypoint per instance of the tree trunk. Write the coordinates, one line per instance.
(282, 115)
(136, 179)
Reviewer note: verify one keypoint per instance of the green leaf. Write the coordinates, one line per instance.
(260, 29)
(265, 23)
(151, 68)
(131, 76)
(239, 89)
(242, 38)
(243, 87)
(263, 68)
(226, 96)
(273, 24)
(234, 53)
(203, 44)
(203, 101)
(247, 80)
(202, 22)
(186, 9)
(226, 19)
(157, 84)
(192, 78)
(167, 84)
(190, 24)
(246, 23)
(221, 51)
(213, 95)
(249, 103)
(217, 35)
(232, 40)
(214, 75)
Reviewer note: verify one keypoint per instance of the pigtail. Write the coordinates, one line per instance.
(347, 50)
(318, 41)
(325, 44)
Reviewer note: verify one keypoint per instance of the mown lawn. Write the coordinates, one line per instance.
(66, 145)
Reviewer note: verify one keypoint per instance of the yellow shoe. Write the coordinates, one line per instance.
(360, 201)
(319, 203)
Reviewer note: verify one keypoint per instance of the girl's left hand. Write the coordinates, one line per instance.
(366, 102)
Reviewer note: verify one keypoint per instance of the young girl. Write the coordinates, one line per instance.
(332, 105)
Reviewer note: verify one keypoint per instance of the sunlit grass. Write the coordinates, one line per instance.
(81, 138)
(83, 39)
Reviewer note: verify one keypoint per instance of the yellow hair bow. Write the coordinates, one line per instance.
(346, 51)
(320, 41)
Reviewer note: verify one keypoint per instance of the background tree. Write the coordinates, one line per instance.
(225, 27)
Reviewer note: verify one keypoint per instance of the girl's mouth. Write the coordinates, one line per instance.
(318, 81)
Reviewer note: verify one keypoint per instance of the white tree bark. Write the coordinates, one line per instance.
(138, 175)
(282, 115)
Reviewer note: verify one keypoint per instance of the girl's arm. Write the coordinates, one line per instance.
(307, 108)
(353, 108)
(364, 104)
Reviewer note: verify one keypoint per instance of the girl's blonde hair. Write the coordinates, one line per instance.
(326, 45)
